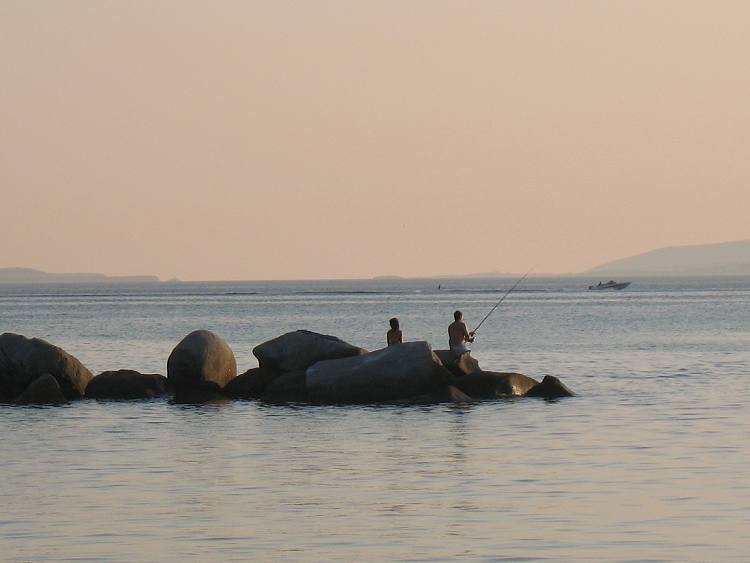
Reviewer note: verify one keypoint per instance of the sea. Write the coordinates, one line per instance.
(649, 461)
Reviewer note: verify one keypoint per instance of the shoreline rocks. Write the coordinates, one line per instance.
(23, 360)
(200, 365)
(296, 367)
(298, 350)
(394, 373)
(492, 385)
(126, 384)
(44, 390)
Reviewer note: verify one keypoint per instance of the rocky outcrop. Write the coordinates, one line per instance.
(248, 385)
(44, 390)
(287, 388)
(23, 360)
(550, 388)
(201, 364)
(459, 366)
(490, 384)
(298, 350)
(126, 384)
(394, 373)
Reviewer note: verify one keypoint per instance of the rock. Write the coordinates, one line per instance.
(248, 385)
(23, 360)
(298, 350)
(394, 373)
(202, 361)
(550, 388)
(199, 395)
(126, 384)
(464, 364)
(288, 388)
(489, 384)
(443, 394)
(44, 390)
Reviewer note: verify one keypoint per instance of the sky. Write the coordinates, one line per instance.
(339, 139)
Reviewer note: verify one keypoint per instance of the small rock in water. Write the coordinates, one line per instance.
(126, 384)
(550, 388)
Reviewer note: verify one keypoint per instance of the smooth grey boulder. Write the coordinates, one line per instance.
(490, 384)
(202, 361)
(298, 350)
(464, 364)
(394, 373)
(550, 388)
(248, 385)
(23, 360)
(44, 390)
(126, 384)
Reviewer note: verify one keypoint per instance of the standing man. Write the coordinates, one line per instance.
(458, 335)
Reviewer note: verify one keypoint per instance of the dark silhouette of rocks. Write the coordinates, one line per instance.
(202, 368)
(298, 350)
(248, 385)
(200, 365)
(22, 360)
(44, 390)
(464, 364)
(290, 387)
(126, 384)
(491, 385)
(550, 388)
(393, 373)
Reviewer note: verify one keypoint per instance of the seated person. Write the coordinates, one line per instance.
(393, 336)
(458, 335)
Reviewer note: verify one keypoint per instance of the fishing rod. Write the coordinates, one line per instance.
(501, 300)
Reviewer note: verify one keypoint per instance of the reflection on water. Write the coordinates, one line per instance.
(648, 463)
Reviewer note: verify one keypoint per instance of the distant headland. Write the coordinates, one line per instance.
(30, 275)
(721, 259)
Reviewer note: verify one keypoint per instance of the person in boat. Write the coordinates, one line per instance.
(459, 335)
(393, 336)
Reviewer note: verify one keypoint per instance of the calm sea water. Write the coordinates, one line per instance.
(648, 463)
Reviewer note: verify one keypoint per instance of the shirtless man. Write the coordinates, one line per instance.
(458, 335)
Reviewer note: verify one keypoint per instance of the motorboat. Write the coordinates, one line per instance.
(611, 284)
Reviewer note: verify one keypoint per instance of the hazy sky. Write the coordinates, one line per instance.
(310, 139)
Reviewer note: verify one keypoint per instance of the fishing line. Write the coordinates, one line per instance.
(501, 300)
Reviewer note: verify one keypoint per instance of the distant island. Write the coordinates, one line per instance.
(29, 275)
(726, 258)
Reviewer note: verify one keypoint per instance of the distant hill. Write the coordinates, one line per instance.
(726, 258)
(29, 275)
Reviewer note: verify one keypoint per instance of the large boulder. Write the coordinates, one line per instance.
(126, 384)
(550, 388)
(202, 361)
(394, 373)
(290, 387)
(459, 366)
(298, 350)
(490, 384)
(44, 390)
(23, 360)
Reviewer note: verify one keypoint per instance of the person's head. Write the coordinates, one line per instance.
(458, 315)
(394, 323)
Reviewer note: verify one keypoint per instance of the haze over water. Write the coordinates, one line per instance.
(647, 463)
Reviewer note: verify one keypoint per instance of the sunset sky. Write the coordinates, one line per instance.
(339, 139)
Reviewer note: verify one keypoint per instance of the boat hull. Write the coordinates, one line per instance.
(609, 286)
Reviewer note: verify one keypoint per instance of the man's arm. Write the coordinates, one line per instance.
(469, 336)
